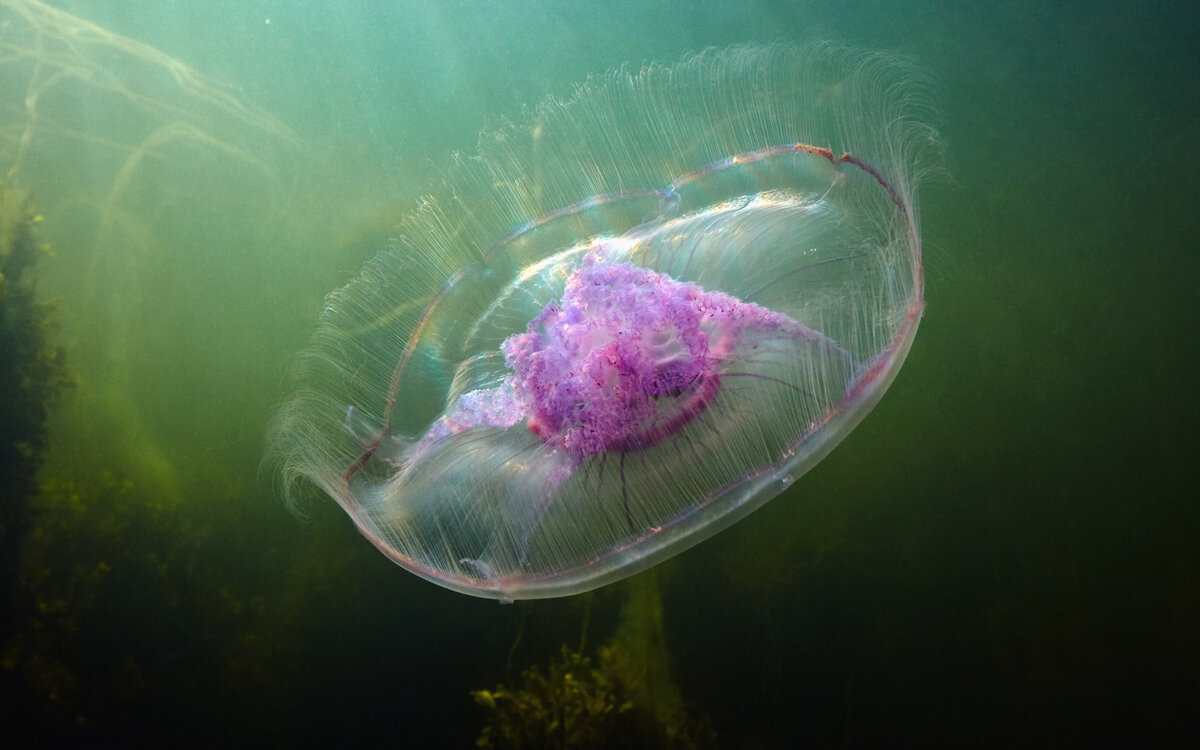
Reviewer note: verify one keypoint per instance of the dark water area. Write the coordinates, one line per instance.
(1003, 552)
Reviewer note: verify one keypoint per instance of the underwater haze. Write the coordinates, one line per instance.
(1001, 552)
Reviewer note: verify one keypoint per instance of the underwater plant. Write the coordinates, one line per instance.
(32, 374)
(31, 366)
(569, 704)
(131, 605)
(620, 696)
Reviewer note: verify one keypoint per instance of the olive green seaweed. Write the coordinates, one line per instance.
(622, 696)
(32, 375)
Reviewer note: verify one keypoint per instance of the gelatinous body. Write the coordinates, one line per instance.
(699, 300)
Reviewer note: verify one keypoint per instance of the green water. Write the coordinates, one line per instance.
(1003, 550)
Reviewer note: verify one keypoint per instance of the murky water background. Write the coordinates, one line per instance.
(1003, 550)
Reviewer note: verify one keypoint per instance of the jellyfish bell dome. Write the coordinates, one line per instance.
(624, 323)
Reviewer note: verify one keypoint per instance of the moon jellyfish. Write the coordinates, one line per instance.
(626, 322)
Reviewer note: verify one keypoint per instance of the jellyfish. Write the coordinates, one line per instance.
(627, 321)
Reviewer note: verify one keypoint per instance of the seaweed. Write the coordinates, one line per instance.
(32, 375)
(622, 696)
